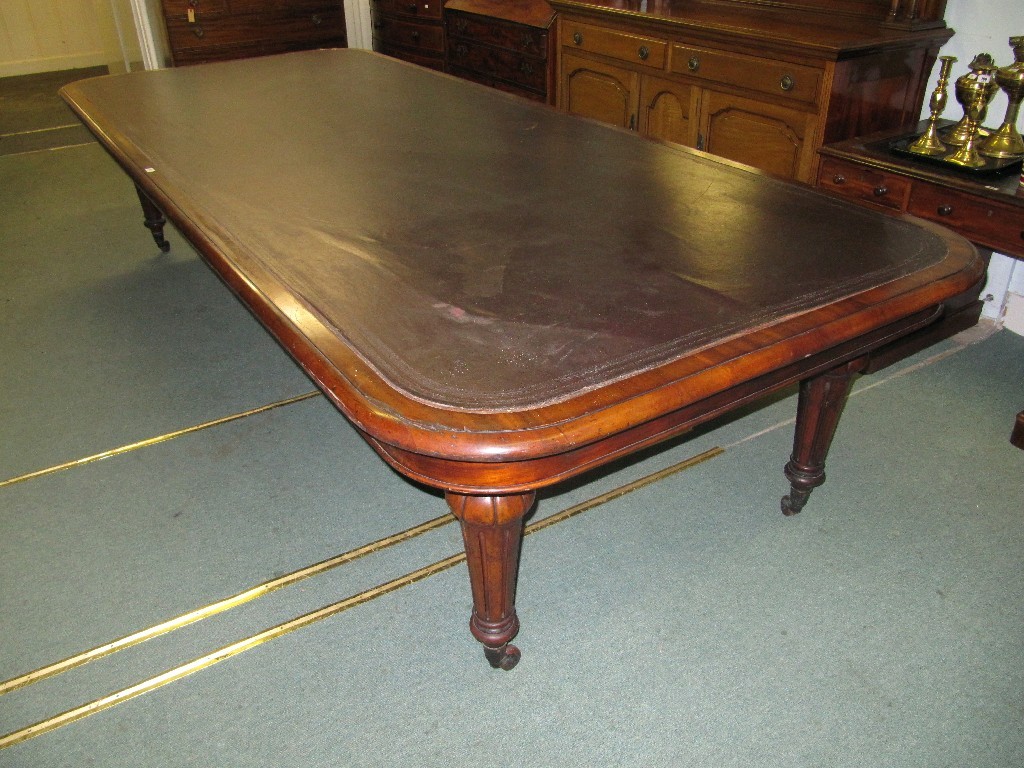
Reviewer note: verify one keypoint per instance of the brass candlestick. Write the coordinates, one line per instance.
(967, 155)
(979, 80)
(1007, 141)
(928, 143)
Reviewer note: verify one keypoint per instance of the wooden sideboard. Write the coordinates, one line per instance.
(214, 30)
(411, 30)
(758, 83)
(508, 45)
(987, 210)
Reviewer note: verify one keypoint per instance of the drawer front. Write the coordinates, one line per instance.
(423, 58)
(527, 71)
(294, 7)
(178, 9)
(213, 32)
(189, 56)
(615, 44)
(391, 31)
(501, 85)
(425, 9)
(865, 185)
(307, 26)
(514, 37)
(778, 79)
(987, 222)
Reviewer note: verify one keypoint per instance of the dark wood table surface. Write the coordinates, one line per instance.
(499, 296)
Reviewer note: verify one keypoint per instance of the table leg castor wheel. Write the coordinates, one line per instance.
(505, 657)
(793, 502)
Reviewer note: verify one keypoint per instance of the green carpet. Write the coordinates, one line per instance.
(687, 623)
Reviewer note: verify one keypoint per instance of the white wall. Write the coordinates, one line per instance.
(48, 35)
(984, 26)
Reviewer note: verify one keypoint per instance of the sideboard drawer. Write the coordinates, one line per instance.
(998, 226)
(616, 44)
(864, 185)
(778, 79)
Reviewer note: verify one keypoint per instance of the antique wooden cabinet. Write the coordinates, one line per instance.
(409, 29)
(211, 30)
(762, 83)
(507, 44)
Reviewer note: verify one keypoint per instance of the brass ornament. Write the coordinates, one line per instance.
(976, 86)
(929, 143)
(967, 155)
(1006, 141)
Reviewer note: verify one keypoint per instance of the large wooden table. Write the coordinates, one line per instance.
(499, 296)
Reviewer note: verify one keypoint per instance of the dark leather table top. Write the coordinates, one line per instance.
(482, 254)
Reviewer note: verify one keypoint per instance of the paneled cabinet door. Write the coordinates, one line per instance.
(669, 110)
(600, 91)
(776, 139)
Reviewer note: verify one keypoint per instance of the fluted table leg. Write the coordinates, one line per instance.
(819, 407)
(492, 529)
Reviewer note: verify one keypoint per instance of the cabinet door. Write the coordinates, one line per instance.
(598, 90)
(775, 139)
(668, 110)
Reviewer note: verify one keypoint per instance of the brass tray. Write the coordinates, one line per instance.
(994, 166)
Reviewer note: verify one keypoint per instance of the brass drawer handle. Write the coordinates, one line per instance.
(577, 38)
(947, 210)
(198, 31)
(693, 64)
(839, 179)
(316, 19)
(413, 8)
(881, 190)
(643, 53)
(787, 83)
(461, 50)
(526, 68)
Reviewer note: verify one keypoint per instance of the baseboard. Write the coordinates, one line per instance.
(1013, 319)
(54, 64)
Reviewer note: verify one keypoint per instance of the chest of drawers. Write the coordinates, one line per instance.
(507, 45)
(409, 29)
(212, 30)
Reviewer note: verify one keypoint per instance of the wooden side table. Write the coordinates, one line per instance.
(987, 210)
